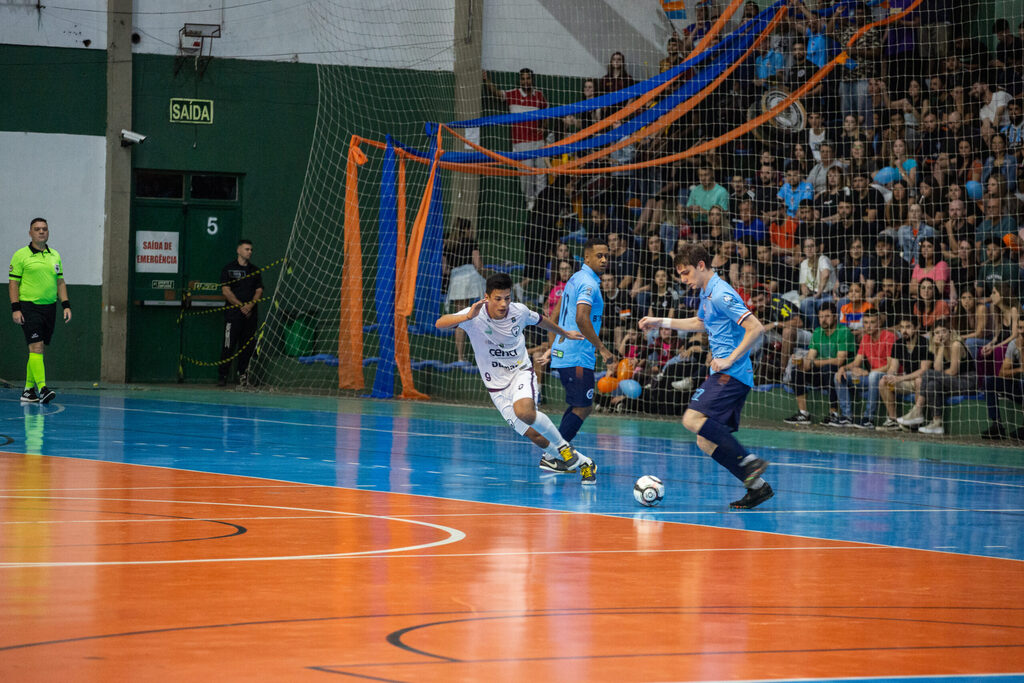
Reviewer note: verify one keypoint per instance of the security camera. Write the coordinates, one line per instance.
(129, 137)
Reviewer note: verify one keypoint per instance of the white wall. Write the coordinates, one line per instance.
(61, 178)
(567, 37)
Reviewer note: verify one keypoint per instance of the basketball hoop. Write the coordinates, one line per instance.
(196, 41)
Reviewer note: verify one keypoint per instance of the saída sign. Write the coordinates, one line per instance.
(184, 110)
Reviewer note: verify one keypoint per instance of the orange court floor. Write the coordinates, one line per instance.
(144, 538)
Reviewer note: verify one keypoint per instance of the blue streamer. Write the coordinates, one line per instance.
(384, 297)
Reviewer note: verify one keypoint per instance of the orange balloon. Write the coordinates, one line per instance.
(625, 368)
(607, 384)
(1012, 242)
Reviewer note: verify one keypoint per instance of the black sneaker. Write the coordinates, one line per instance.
(798, 419)
(587, 471)
(754, 468)
(555, 465)
(753, 498)
(865, 423)
(833, 420)
(30, 396)
(994, 431)
(46, 395)
(890, 425)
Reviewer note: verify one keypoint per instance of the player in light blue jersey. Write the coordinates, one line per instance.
(714, 410)
(581, 308)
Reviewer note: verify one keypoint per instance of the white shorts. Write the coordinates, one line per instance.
(523, 385)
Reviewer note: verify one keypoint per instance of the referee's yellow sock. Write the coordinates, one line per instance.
(36, 369)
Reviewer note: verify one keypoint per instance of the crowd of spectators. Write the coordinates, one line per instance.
(880, 243)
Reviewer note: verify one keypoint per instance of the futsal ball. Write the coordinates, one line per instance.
(630, 388)
(648, 490)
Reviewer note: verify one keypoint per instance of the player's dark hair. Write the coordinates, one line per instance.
(498, 281)
(589, 245)
(244, 241)
(870, 313)
(525, 70)
(691, 254)
(827, 306)
(37, 219)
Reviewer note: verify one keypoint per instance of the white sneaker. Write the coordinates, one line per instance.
(911, 419)
(684, 384)
(933, 427)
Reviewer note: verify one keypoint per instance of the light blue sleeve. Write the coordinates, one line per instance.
(730, 303)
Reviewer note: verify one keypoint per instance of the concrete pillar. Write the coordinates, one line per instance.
(468, 43)
(117, 196)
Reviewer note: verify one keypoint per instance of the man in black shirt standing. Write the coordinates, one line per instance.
(242, 287)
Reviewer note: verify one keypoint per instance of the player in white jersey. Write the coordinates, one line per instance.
(495, 329)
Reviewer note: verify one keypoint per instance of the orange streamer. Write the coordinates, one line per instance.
(403, 357)
(407, 282)
(350, 333)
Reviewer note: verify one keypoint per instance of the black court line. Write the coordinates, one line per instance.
(238, 529)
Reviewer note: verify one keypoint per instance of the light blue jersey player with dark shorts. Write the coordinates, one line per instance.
(714, 410)
(581, 309)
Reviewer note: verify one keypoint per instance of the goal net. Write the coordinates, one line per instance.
(850, 169)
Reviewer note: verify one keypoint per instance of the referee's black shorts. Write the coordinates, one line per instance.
(39, 321)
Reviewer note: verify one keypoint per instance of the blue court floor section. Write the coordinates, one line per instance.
(468, 453)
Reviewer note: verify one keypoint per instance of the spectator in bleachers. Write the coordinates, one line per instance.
(855, 266)
(915, 105)
(618, 312)
(888, 264)
(861, 162)
(972, 320)
(782, 327)
(997, 269)
(551, 273)
(875, 348)
(1009, 48)
(827, 162)
(773, 272)
(767, 65)
(891, 304)
(793, 191)
(704, 196)
(1006, 315)
(739, 190)
(527, 135)
(963, 268)
(1014, 130)
(621, 262)
(851, 312)
(616, 77)
(766, 190)
(971, 209)
(951, 374)
(554, 296)
(932, 209)
(967, 165)
(993, 103)
(932, 141)
(801, 158)
(835, 189)
(852, 133)
(896, 130)
(929, 310)
(584, 119)
(545, 224)
(930, 265)
(996, 187)
(1001, 162)
(746, 226)
(910, 359)
(903, 164)
(868, 203)
(911, 233)
(816, 134)
(817, 280)
(865, 51)
(897, 209)
(664, 299)
(673, 57)
(831, 346)
(648, 262)
(995, 224)
(1008, 384)
(968, 54)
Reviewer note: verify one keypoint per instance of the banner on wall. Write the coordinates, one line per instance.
(156, 251)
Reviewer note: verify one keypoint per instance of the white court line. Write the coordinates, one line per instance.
(454, 535)
(290, 423)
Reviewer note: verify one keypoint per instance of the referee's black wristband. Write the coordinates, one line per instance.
(15, 306)
(66, 304)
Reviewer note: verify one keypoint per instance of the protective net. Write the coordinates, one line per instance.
(850, 169)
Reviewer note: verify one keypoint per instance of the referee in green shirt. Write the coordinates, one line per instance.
(36, 281)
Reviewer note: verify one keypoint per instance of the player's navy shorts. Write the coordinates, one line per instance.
(39, 321)
(579, 386)
(721, 398)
